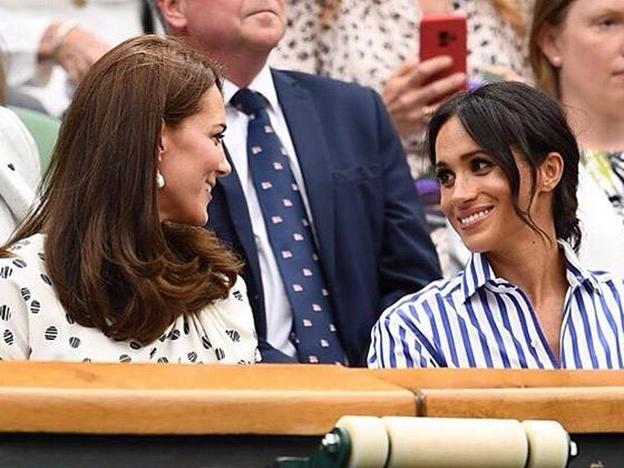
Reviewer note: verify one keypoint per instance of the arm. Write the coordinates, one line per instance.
(397, 342)
(33, 43)
(408, 258)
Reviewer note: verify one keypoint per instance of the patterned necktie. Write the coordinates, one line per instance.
(290, 235)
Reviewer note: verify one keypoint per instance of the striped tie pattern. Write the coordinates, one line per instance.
(290, 234)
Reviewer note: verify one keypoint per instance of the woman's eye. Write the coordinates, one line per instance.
(480, 165)
(606, 22)
(445, 177)
(218, 139)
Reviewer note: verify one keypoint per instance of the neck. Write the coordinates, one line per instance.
(596, 129)
(539, 275)
(242, 72)
(240, 67)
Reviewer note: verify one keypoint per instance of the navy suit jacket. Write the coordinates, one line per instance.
(373, 243)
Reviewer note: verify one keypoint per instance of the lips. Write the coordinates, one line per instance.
(263, 10)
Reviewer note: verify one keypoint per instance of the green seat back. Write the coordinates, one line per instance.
(44, 130)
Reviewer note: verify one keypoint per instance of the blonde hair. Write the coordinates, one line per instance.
(552, 13)
(510, 12)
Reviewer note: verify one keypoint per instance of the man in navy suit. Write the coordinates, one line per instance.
(345, 157)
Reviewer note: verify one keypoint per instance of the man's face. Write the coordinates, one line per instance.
(227, 26)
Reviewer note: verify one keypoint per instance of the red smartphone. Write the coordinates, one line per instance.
(444, 34)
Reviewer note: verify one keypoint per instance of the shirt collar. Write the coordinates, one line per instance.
(478, 272)
(262, 83)
(576, 273)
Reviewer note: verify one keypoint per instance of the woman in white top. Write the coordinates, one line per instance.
(19, 172)
(576, 49)
(114, 264)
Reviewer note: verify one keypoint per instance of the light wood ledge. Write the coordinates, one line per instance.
(289, 399)
(578, 409)
(184, 399)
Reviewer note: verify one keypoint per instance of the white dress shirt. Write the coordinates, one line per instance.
(278, 310)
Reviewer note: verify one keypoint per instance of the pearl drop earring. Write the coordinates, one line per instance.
(556, 61)
(160, 180)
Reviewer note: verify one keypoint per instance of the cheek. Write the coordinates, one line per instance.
(445, 200)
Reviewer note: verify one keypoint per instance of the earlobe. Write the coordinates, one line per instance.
(163, 140)
(173, 13)
(551, 171)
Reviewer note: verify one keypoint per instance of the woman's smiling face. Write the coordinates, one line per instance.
(191, 159)
(476, 195)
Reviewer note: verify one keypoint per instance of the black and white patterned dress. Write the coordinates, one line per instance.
(34, 325)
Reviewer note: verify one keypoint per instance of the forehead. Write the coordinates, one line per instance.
(584, 7)
(211, 111)
(453, 142)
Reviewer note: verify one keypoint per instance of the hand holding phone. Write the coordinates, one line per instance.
(444, 34)
(413, 91)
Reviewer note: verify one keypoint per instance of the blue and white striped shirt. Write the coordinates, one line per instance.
(478, 320)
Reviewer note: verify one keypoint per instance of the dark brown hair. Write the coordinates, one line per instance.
(511, 116)
(552, 13)
(114, 266)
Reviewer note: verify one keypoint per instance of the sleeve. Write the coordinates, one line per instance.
(14, 330)
(408, 259)
(19, 169)
(20, 34)
(20, 143)
(397, 342)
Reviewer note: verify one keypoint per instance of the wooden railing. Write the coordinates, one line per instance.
(289, 399)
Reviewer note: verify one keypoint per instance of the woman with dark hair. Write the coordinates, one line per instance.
(114, 264)
(507, 165)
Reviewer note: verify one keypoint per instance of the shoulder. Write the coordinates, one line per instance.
(322, 84)
(26, 262)
(609, 280)
(18, 150)
(14, 134)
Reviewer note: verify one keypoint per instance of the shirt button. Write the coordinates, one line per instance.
(533, 344)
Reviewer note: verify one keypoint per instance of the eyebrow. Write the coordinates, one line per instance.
(463, 157)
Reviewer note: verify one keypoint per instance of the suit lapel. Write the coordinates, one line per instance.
(308, 138)
(241, 220)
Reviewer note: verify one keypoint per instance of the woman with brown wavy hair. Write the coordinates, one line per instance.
(576, 49)
(114, 264)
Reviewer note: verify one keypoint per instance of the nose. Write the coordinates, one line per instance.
(224, 167)
(463, 190)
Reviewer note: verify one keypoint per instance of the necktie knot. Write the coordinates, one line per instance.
(248, 101)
